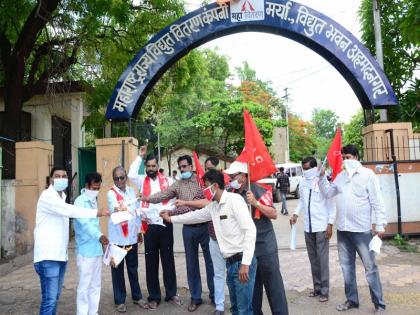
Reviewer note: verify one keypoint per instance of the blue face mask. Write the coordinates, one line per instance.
(186, 175)
(60, 184)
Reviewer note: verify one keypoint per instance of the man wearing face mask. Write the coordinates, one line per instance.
(158, 239)
(235, 232)
(219, 264)
(318, 221)
(266, 251)
(51, 237)
(357, 195)
(195, 234)
(89, 249)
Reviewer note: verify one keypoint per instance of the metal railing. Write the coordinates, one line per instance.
(379, 149)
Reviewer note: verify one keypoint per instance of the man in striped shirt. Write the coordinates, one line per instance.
(357, 196)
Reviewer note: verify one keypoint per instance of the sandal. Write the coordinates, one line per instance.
(121, 308)
(142, 303)
(153, 305)
(314, 293)
(323, 298)
(347, 305)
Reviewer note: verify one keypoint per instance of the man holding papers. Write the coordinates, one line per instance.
(158, 238)
(125, 235)
(357, 194)
(318, 221)
(89, 241)
(236, 235)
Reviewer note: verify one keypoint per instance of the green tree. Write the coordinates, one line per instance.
(62, 40)
(222, 126)
(352, 131)
(207, 72)
(302, 140)
(400, 21)
(325, 122)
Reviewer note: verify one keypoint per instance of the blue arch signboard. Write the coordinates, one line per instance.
(285, 18)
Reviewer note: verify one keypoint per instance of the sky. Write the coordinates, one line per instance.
(311, 81)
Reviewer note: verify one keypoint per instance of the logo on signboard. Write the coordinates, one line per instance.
(247, 10)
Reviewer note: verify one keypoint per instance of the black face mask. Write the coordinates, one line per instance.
(151, 174)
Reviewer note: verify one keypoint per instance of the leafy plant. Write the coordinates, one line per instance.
(402, 243)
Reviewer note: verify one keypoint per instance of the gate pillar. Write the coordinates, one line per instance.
(33, 163)
(377, 144)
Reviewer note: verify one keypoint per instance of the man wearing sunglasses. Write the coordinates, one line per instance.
(195, 234)
(125, 235)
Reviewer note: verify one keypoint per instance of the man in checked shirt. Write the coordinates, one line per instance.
(188, 188)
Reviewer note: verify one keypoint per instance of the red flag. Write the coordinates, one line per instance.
(255, 152)
(334, 157)
(199, 169)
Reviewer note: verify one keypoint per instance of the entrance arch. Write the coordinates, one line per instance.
(285, 18)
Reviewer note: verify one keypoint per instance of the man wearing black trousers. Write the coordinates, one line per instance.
(268, 274)
(158, 237)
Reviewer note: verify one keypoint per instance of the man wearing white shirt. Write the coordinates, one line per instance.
(236, 235)
(318, 221)
(51, 237)
(357, 194)
(158, 239)
(125, 235)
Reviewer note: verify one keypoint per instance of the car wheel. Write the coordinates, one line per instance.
(297, 195)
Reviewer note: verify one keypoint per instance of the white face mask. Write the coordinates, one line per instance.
(311, 173)
(235, 184)
(351, 166)
(60, 184)
(91, 194)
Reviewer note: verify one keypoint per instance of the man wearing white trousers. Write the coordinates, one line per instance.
(89, 241)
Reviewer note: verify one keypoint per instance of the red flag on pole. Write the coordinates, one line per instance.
(255, 152)
(334, 157)
(199, 169)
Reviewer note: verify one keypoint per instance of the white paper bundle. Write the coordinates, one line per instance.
(114, 255)
(293, 237)
(375, 244)
(121, 216)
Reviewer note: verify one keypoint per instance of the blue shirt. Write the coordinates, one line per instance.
(114, 230)
(87, 231)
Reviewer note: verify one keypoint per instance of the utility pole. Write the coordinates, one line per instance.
(286, 104)
(383, 113)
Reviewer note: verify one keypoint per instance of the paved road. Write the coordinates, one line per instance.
(400, 274)
(281, 226)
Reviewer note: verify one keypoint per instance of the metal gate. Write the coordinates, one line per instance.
(87, 163)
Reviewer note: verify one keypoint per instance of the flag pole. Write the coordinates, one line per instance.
(249, 186)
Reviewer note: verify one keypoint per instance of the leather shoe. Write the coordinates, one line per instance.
(193, 307)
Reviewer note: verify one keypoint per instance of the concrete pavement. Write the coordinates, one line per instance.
(400, 274)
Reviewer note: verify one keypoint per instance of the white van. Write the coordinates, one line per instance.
(295, 173)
